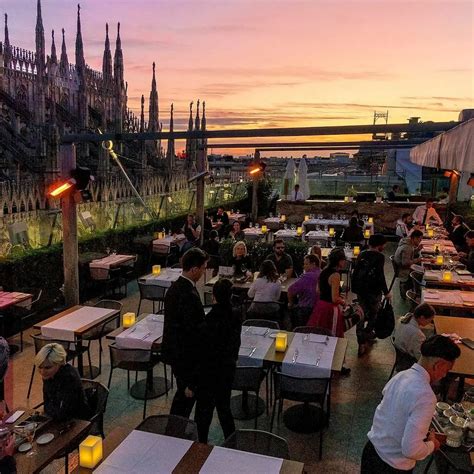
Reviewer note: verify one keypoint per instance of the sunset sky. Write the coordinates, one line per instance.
(272, 63)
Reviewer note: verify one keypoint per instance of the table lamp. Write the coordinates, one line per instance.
(430, 233)
(346, 199)
(356, 250)
(156, 235)
(447, 276)
(281, 341)
(156, 269)
(439, 260)
(371, 220)
(264, 229)
(366, 233)
(331, 232)
(90, 452)
(299, 231)
(128, 320)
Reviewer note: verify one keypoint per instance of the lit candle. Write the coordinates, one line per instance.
(264, 229)
(371, 220)
(447, 276)
(90, 452)
(299, 231)
(156, 235)
(306, 218)
(356, 250)
(346, 199)
(128, 320)
(430, 233)
(366, 233)
(427, 226)
(281, 342)
(156, 269)
(439, 260)
(283, 218)
(331, 232)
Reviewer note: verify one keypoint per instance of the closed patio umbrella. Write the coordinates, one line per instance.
(303, 178)
(289, 178)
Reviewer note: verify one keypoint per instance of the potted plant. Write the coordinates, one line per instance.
(379, 194)
(351, 194)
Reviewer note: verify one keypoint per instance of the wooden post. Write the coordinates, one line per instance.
(200, 188)
(67, 162)
(453, 187)
(256, 179)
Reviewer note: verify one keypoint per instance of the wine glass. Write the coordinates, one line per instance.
(333, 244)
(107, 250)
(28, 432)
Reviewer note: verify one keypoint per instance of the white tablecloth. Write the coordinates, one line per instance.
(143, 334)
(253, 231)
(287, 234)
(258, 339)
(113, 260)
(236, 217)
(312, 355)
(231, 461)
(64, 328)
(169, 240)
(142, 453)
(164, 279)
(335, 222)
(317, 235)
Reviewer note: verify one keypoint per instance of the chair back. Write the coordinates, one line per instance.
(170, 425)
(161, 249)
(313, 330)
(40, 341)
(124, 358)
(36, 296)
(264, 310)
(403, 361)
(259, 442)
(247, 378)
(109, 304)
(151, 292)
(261, 323)
(417, 279)
(300, 389)
(97, 396)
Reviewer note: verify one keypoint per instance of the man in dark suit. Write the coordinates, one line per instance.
(458, 231)
(184, 314)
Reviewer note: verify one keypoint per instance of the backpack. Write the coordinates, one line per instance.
(364, 278)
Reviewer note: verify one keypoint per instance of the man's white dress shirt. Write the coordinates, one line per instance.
(402, 419)
(297, 196)
(431, 214)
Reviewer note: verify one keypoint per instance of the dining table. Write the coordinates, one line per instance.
(14, 298)
(438, 278)
(73, 324)
(449, 299)
(67, 435)
(100, 268)
(164, 279)
(245, 285)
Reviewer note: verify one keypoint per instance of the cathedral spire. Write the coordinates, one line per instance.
(142, 114)
(197, 124)
(153, 111)
(6, 53)
(203, 121)
(118, 61)
(40, 43)
(107, 59)
(190, 123)
(54, 57)
(80, 61)
(64, 62)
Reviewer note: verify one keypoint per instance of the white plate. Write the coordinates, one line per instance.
(23, 448)
(45, 438)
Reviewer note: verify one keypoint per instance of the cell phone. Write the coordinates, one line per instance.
(468, 342)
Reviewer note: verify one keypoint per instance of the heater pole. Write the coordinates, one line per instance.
(256, 179)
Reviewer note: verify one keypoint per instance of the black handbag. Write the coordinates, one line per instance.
(385, 319)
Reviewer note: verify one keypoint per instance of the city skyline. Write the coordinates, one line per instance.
(278, 64)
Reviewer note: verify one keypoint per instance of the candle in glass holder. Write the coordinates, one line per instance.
(331, 232)
(430, 233)
(371, 220)
(356, 250)
(439, 260)
(299, 231)
(90, 452)
(281, 342)
(366, 233)
(264, 229)
(447, 276)
(283, 218)
(156, 235)
(156, 269)
(306, 218)
(128, 320)
(346, 199)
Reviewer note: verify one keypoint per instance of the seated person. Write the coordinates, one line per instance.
(353, 232)
(192, 231)
(426, 213)
(392, 194)
(236, 233)
(405, 256)
(355, 213)
(240, 260)
(316, 250)
(404, 225)
(443, 196)
(63, 393)
(296, 194)
(265, 289)
(221, 216)
(211, 247)
(7, 451)
(207, 224)
(468, 257)
(408, 335)
(458, 231)
(283, 262)
(304, 290)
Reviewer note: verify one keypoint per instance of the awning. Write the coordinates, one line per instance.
(451, 150)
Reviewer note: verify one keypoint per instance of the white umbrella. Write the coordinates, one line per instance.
(303, 178)
(289, 178)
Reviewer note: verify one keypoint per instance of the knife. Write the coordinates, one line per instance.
(252, 351)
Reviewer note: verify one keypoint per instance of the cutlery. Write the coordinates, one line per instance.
(317, 362)
(145, 336)
(252, 351)
(295, 356)
(266, 332)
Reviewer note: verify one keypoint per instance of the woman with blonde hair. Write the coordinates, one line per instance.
(63, 394)
(240, 260)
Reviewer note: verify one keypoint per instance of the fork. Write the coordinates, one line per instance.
(295, 356)
(145, 336)
(317, 361)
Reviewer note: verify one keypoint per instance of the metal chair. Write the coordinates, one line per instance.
(170, 425)
(403, 360)
(414, 299)
(99, 332)
(313, 330)
(161, 252)
(249, 379)
(270, 310)
(97, 395)
(305, 390)
(418, 283)
(261, 323)
(259, 442)
(153, 293)
(136, 360)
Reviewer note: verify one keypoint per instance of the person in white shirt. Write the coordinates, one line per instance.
(408, 335)
(426, 213)
(403, 225)
(265, 289)
(297, 195)
(399, 434)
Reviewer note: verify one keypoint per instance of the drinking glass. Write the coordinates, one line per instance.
(28, 432)
(257, 225)
(250, 224)
(107, 250)
(333, 244)
(270, 215)
(238, 212)
(347, 246)
(285, 226)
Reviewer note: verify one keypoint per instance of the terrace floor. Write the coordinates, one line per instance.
(354, 399)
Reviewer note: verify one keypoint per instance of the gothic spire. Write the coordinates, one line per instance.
(153, 111)
(142, 114)
(80, 61)
(40, 44)
(196, 125)
(118, 61)
(171, 118)
(107, 59)
(6, 53)
(203, 121)
(54, 57)
(64, 62)
(190, 123)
